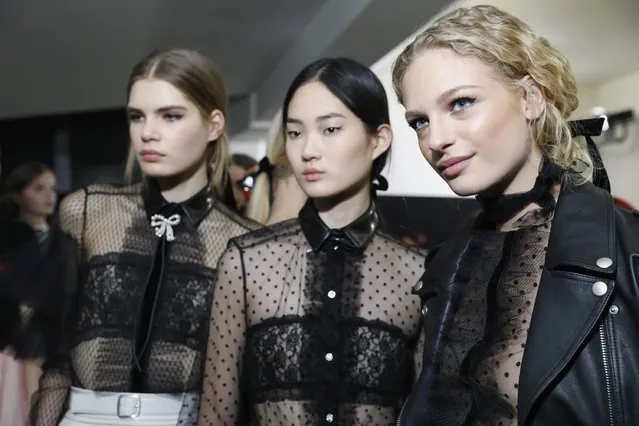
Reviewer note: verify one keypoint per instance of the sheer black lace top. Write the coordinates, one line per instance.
(499, 270)
(140, 317)
(312, 325)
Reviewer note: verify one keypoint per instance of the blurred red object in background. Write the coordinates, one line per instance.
(623, 203)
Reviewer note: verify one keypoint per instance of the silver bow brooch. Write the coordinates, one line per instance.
(164, 226)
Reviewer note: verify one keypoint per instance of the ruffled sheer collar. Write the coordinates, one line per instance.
(497, 211)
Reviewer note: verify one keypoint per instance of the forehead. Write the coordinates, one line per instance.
(313, 100)
(438, 70)
(151, 93)
(45, 178)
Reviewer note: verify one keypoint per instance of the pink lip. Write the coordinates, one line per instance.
(454, 166)
(151, 156)
(312, 175)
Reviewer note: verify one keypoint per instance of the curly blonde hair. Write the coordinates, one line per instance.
(513, 50)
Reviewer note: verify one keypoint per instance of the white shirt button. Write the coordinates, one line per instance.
(328, 357)
(330, 418)
(336, 248)
(332, 294)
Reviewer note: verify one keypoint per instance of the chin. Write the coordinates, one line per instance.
(156, 170)
(466, 186)
(318, 190)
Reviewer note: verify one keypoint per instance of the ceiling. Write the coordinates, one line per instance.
(70, 56)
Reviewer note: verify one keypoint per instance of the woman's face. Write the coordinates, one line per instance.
(472, 128)
(168, 132)
(39, 198)
(328, 147)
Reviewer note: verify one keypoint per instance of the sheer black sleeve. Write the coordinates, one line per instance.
(221, 387)
(49, 402)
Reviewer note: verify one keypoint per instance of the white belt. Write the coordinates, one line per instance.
(124, 405)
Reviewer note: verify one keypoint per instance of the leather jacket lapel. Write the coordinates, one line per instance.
(576, 285)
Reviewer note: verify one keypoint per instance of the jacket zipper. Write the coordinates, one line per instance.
(399, 418)
(607, 370)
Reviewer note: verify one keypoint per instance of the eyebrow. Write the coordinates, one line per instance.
(445, 95)
(293, 120)
(159, 110)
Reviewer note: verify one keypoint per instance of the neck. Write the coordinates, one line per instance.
(523, 179)
(554, 191)
(338, 212)
(179, 188)
(35, 221)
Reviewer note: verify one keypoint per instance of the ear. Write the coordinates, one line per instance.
(534, 99)
(382, 140)
(217, 124)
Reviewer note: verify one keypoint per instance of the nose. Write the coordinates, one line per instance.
(311, 148)
(441, 135)
(149, 132)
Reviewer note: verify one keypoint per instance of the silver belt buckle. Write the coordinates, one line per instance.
(129, 406)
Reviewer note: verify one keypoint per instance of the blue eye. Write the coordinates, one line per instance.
(461, 104)
(418, 124)
(173, 117)
(134, 118)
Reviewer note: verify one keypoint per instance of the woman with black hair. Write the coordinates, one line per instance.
(312, 319)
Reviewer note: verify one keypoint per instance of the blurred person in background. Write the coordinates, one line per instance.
(241, 166)
(274, 193)
(34, 261)
(137, 332)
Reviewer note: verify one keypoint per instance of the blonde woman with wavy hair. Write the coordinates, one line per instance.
(530, 313)
(275, 194)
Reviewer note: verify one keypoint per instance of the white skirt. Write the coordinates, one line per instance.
(124, 409)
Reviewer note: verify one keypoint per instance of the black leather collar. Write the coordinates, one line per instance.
(195, 208)
(355, 236)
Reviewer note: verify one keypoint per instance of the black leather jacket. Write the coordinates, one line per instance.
(581, 364)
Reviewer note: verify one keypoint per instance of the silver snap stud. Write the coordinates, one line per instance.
(599, 288)
(604, 262)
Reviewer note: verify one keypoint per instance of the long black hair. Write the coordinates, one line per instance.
(358, 88)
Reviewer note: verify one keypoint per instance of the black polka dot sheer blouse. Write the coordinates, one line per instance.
(311, 325)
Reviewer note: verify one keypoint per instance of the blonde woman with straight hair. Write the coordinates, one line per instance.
(137, 330)
(275, 194)
(531, 313)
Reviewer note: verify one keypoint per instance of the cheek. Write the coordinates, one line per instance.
(509, 142)
(135, 133)
(32, 200)
(293, 155)
(350, 148)
(187, 140)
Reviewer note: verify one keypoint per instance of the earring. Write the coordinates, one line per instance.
(578, 166)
